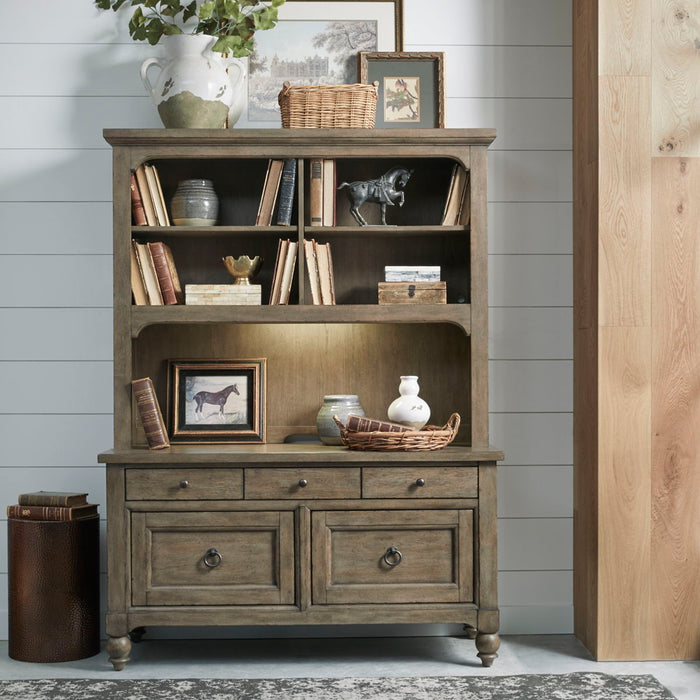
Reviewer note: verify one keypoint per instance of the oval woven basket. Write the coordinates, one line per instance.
(328, 106)
(431, 437)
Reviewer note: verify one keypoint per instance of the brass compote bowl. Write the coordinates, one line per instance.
(243, 268)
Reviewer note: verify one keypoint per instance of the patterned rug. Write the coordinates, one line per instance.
(571, 686)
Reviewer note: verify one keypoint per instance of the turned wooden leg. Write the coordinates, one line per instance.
(136, 634)
(469, 631)
(487, 644)
(118, 649)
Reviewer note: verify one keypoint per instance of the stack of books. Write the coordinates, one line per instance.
(147, 201)
(319, 265)
(280, 179)
(52, 505)
(282, 277)
(154, 277)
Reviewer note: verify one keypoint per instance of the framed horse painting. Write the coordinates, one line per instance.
(216, 400)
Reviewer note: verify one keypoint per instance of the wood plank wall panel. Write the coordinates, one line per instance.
(637, 403)
(508, 66)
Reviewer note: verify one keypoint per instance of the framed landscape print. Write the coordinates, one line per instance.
(316, 42)
(411, 88)
(216, 400)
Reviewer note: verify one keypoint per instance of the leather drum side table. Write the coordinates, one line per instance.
(54, 589)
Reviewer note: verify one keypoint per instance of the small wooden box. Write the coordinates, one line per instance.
(223, 294)
(412, 292)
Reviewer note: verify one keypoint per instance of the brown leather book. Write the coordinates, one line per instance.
(316, 192)
(269, 193)
(149, 411)
(138, 286)
(138, 213)
(52, 498)
(168, 282)
(362, 424)
(51, 512)
(148, 205)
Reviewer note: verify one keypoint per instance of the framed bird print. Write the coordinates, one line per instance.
(411, 88)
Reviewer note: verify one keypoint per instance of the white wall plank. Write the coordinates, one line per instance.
(56, 334)
(530, 176)
(536, 22)
(65, 280)
(56, 387)
(535, 587)
(530, 333)
(54, 441)
(56, 176)
(56, 227)
(537, 619)
(535, 544)
(530, 280)
(530, 227)
(530, 386)
(535, 492)
(533, 438)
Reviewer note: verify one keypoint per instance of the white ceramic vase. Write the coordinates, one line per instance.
(409, 409)
(194, 89)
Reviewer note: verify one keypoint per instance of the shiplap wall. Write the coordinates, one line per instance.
(508, 65)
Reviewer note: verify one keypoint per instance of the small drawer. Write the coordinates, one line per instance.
(419, 482)
(302, 483)
(191, 484)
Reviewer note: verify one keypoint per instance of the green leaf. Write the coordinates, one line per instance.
(170, 29)
(104, 4)
(206, 10)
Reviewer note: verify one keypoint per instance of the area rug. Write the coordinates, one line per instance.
(570, 686)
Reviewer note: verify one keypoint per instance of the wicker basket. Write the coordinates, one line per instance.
(328, 106)
(431, 437)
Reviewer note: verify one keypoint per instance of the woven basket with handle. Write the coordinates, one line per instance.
(328, 106)
(430, 437)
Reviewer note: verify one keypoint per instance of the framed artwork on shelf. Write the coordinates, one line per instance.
(411, 87)
(316, 42)
(216, 400)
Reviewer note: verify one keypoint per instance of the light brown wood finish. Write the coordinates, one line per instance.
(183, 484)
(419, 482)
(637, 551)
(302, 482)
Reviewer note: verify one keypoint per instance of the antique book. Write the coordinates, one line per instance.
(325, 272)
(329, 184)
(465, 206)
(312, 271)
(148, 205)
(282, 246)
(316, 192)
(362, 424)
(138, 214)
(138, 286)
(269, 192)
(455, 196)
(161, 198)
(288, 272)
(52, 498)
(154, 191)
(330, 272)
(286, 194)
(150, 277)
(166, 273)
(51, 512)
(412, 292)
(149, 411)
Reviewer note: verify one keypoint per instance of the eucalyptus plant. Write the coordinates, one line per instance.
(232, 22)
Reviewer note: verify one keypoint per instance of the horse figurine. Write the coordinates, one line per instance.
(217, 398)
(383, 191)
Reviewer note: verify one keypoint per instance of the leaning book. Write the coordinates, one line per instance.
(149, 411)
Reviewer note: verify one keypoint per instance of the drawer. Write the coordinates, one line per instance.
(183, 484)
(419, 482)
(206, 558)
(385, 556)
(302, 482)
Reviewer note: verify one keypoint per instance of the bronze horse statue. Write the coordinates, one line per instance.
(383, 191)
(217, 398)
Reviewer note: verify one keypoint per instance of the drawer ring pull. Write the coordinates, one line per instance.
(392, 556)
(212, 558)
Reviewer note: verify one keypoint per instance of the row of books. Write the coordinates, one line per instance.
(154, 278)
(322, 187)
(52, 505)
(277, 193)
(283, 274)
(457, 209)
(147, 202)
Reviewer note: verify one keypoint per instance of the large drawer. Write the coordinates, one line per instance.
(205, 558)
(183, 484)
(419, 482)
(302, 482)
(384, 556)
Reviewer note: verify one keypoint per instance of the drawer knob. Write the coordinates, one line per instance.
(184, 484)
(212, 558)
(303, 483)
(392, 556)
(420, 482)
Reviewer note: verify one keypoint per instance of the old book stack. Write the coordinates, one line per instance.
(319, 266)
(154, 277)
(416, 284)
(147, 202)
(283, 275)
(277, 192)
(52, 505)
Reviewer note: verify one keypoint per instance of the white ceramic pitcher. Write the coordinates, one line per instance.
(194, 89)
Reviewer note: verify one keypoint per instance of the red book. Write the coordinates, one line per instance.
(149, 411)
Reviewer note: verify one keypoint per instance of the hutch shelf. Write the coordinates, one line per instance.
(300, 533)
